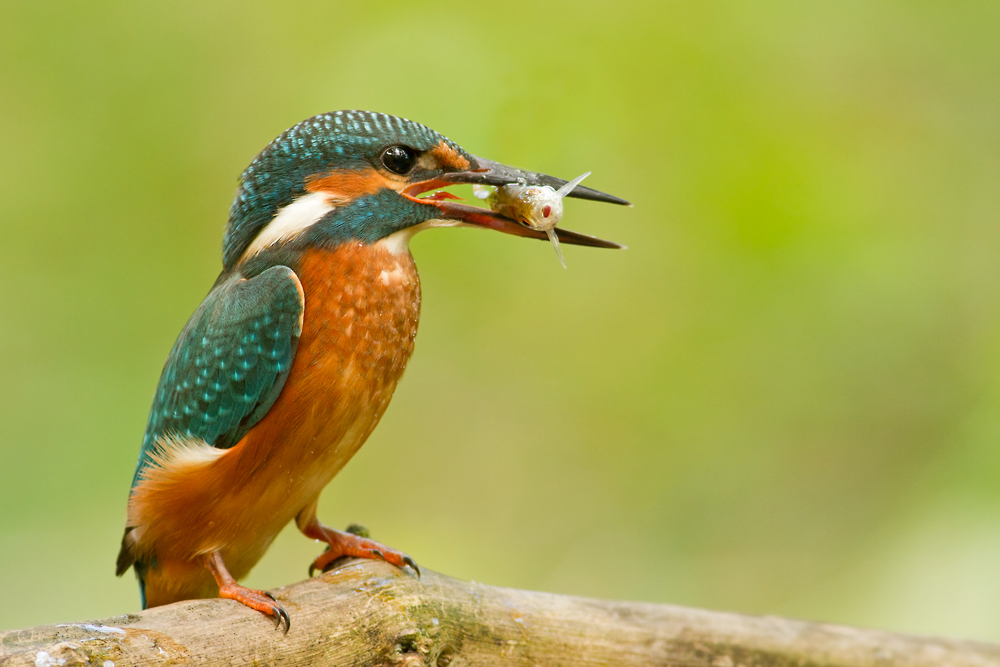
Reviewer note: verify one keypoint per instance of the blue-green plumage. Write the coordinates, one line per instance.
(366, 219)
(277, 176)
(227, 367)
(230, 361)
(308, 216)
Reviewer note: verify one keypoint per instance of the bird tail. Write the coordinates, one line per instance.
(127, 559)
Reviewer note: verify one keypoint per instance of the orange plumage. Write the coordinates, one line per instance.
(362, 305)
(291, 359)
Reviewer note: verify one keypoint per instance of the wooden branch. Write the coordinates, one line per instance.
(370, 613)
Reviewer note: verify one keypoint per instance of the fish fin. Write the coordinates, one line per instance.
(568, 188)
(555, 244)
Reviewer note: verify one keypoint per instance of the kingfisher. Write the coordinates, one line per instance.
(288, 364)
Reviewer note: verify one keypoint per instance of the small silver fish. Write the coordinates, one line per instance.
(537, 207)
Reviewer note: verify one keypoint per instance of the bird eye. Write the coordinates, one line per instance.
(398, 159)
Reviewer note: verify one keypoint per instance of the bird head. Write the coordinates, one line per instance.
(360, 176)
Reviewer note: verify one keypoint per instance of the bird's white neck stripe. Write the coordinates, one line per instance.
(309, 209)
(292, 220)
(398, 243)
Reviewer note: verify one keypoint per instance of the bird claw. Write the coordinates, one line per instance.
(261, 601)
(281, 617)
(349, 543)
(413, 565)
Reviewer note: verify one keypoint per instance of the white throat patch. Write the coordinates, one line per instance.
(399, 242)
(292, 220)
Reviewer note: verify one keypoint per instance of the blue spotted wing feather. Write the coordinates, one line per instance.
(229, 363)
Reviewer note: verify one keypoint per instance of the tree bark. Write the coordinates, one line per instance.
(370, 613)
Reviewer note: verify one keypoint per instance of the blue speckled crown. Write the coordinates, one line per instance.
(340, 139)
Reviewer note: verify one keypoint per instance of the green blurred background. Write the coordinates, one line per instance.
(783, 398)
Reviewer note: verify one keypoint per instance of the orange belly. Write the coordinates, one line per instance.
(362, 304)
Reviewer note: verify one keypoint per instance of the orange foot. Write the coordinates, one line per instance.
(230, 590)
(346, 544)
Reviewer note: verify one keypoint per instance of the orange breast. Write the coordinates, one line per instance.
(362, 304)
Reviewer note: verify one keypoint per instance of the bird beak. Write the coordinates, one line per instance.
(487, 172)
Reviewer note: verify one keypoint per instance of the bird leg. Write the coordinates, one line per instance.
(346, 544)
(230, 590)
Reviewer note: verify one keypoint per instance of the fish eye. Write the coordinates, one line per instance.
(399, 159)
(546, 211)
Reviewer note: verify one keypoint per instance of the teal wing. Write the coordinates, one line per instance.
(225, 370)
(229, 363)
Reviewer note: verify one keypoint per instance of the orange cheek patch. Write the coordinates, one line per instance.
(349, 184)
(449, 157)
